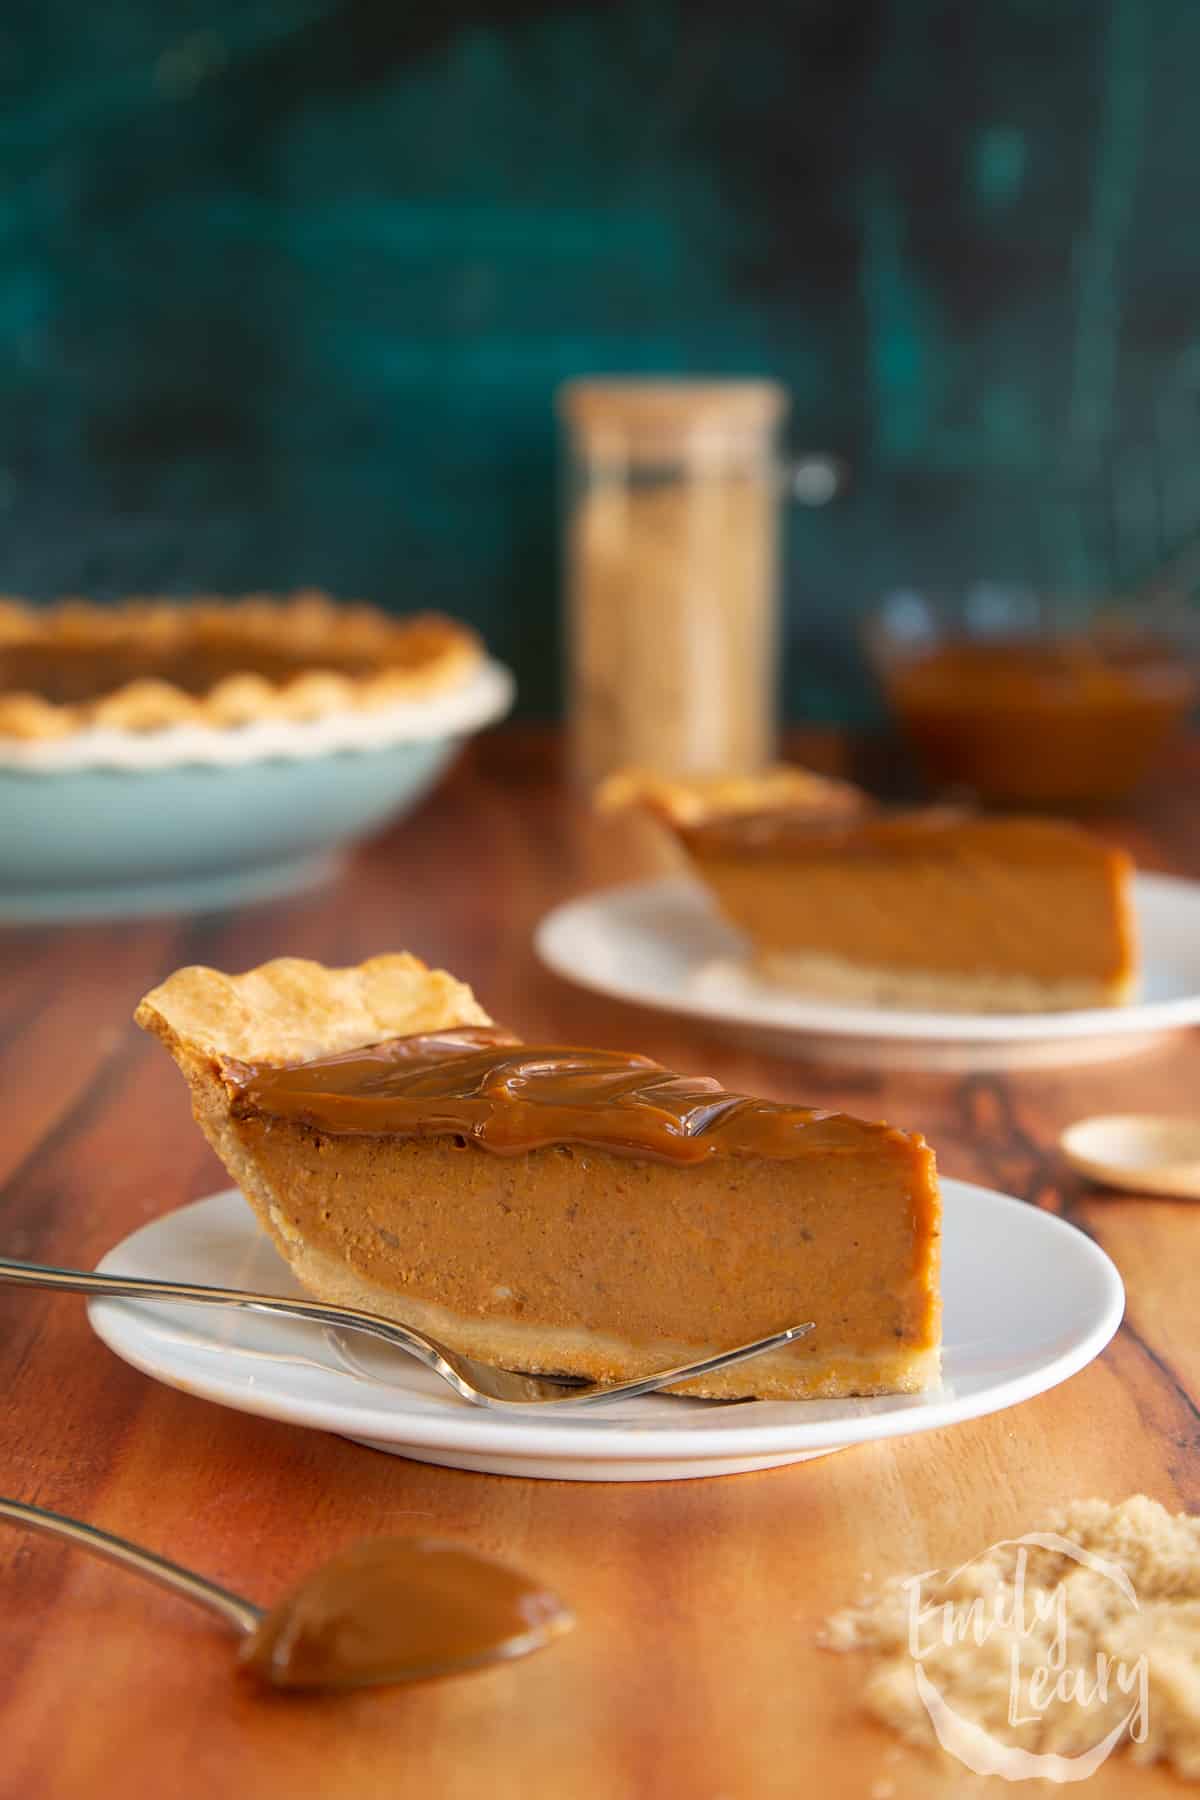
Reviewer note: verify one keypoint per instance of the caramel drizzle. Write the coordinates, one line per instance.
(487, 1088)
(875, 831)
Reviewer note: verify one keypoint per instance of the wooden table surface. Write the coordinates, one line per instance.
(693, 1670)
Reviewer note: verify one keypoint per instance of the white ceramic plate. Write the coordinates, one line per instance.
(1028, 1301)
(662, 944)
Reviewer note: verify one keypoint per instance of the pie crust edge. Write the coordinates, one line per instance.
(291, 1010)
(417, 656)
(689, 800)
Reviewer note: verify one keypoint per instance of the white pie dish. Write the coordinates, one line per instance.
(110, 823)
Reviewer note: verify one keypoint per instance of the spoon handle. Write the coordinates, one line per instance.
(238, 1613)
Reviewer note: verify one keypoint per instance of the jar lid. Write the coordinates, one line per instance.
(658, 414)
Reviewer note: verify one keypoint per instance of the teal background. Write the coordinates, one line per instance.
(286, 289)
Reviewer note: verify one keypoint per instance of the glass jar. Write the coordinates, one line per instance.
(672, 574)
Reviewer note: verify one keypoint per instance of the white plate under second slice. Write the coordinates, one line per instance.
(662, 944)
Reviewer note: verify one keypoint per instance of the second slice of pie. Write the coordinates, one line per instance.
(555, 1209)
(932, 908)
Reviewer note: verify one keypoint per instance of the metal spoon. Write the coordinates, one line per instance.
(388, 1610)
(479, 1382)
(1146, 1153)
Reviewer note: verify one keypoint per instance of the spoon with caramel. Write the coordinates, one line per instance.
(382, 1611)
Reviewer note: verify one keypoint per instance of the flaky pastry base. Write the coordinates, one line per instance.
(289, 1011)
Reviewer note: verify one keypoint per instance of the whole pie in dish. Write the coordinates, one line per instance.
(936, 908)
(554, 1209)
(149, 664)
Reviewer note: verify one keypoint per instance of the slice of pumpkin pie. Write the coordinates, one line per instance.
(555, 1209)
(935, 908)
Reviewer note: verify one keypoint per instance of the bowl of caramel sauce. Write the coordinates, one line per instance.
(1027, 714)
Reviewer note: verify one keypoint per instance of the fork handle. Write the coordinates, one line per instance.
(138, 1287)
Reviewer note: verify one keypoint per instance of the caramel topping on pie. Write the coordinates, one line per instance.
(509, 1098)
(936, 830)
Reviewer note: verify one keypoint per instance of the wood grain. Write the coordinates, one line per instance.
(694, 1669)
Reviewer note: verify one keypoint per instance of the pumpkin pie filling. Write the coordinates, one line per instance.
(147, 665)
(74, 674)
(556, 1209)
(933, 907)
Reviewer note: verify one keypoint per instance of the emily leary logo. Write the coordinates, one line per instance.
(1032, 1624)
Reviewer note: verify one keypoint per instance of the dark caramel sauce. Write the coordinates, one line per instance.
(508, 1097)
(1042, 721)
(397, 1609)
(780, 830)
(883, 833)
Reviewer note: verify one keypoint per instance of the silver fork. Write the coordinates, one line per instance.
(479, 1382)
